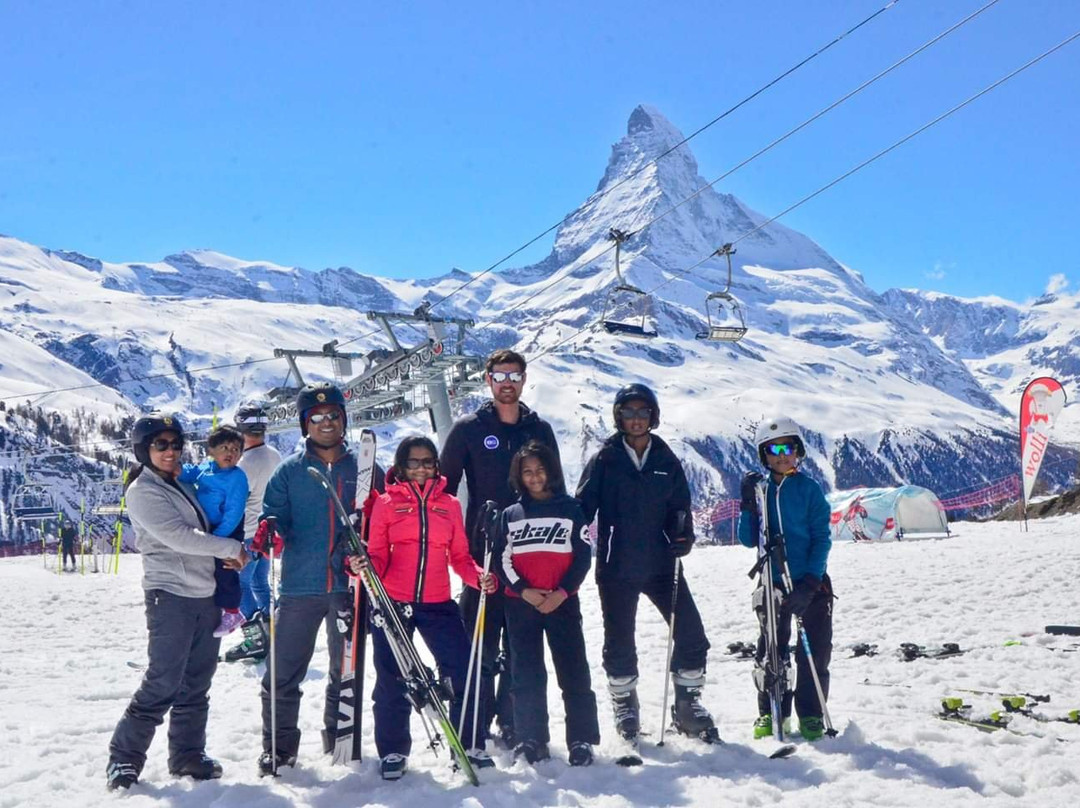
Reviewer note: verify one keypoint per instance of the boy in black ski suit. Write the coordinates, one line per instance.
(637, 487)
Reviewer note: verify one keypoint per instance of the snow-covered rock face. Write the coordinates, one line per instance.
(905, 386)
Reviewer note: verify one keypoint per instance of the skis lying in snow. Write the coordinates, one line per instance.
(956, 711)
(910, 651)
(1073, 631)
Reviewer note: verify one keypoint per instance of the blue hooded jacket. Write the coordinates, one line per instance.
(222, 495)
(803, 518)
(316, 542)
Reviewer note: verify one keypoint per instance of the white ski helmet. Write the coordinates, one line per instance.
(779, 427)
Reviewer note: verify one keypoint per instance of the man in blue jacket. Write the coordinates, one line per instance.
(798, 511)
(637, 487)
(313, 545)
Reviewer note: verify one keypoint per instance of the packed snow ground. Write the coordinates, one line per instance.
(64, 682)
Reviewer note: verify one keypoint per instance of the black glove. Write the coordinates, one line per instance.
(679, 534)
(800, 598)
(748, 491)
(680, 547)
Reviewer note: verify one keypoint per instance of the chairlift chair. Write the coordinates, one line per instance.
(726, 321)
(32, 502)
(626, 308)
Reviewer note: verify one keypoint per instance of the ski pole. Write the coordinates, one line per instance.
(805, 640)
(273, 657)
(476, 656)
(670, 649)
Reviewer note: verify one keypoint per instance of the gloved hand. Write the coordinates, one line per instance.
(266, 536)
(748, 491)
(679, 533)
(803, 593)
(681, 547)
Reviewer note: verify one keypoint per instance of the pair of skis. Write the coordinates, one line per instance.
(350, 622)
(422, 689)
(771, 674)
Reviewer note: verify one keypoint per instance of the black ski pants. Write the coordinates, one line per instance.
(817, 621)
(444, 635)
(496, 703)
(619, 601)
(69, 552)
(183, 654)
(295, 630)
(526, 628)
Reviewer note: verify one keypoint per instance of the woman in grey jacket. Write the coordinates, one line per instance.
(178, 552)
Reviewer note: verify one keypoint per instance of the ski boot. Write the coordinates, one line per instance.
(581, 754)
(763, 727)
(393, 766)
(200, 768)
(267, 765)
(688, 715)
(532, 751)
(812, 728)
(255, 642)
(624, 701)
(121, 775)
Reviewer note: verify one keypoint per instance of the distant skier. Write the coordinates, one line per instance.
(178, 552)
(481, 446)
(297, 518)
(542, 554)
(637, 487)
(258, 462)
(415, 534)
(797, 510)
(222, 489)
(68, 534)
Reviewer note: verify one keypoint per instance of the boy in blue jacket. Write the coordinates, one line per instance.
(222, 490)
(798, 511)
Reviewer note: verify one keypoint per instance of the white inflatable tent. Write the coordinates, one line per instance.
(886, 514)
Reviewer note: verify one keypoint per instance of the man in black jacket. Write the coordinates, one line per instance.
(638, 487)
(481, 446)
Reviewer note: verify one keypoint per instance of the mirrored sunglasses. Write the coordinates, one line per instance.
(780, 449)
(626, 413)
(416, 462)
(319, 417)
(500, 376)
(162, 445)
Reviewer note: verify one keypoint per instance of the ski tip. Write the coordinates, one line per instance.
(628, 760)
(785, 751)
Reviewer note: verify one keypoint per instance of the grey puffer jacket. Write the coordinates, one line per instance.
(177, 550)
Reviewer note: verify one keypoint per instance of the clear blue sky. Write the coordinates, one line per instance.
(404, 139)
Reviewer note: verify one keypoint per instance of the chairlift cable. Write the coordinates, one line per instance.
(953, 110)
(671, 149)
(880, 75)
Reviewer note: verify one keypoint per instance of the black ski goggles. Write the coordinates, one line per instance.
(626, 413)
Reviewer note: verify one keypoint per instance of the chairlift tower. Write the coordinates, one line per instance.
(393, 382)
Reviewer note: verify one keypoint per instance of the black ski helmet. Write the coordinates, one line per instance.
(252, 418)
(312, 395)
(147, 426)
(636, 391)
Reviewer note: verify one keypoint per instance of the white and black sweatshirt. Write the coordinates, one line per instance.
(542, 544)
